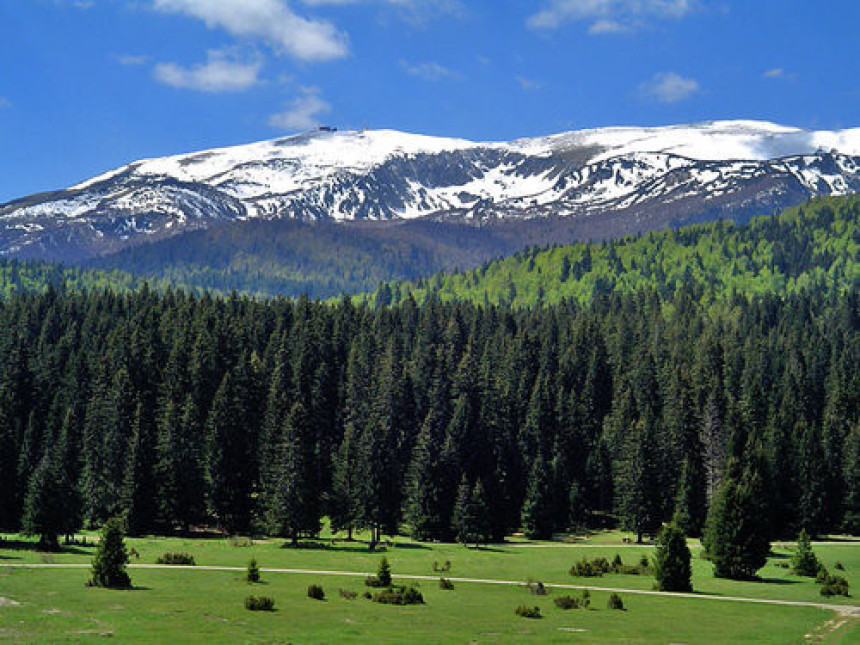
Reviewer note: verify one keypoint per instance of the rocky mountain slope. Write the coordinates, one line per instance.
(600, 182)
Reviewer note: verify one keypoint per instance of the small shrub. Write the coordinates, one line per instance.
(316, 592)
(184, 559)
(643, 562)
(399, 596)
(347, 595)
(537, 588)
(528, 612)
(443, 568)
(259, 603)
(585, 601)
(617, 562)
(253, 574)
(834, 586)
(586, 568)
(783, 565)
(446, 584)
(567, 602)
(615, 602)
(822, 576)
(367, 595)
(839, 566)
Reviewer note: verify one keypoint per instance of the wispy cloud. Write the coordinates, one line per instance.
(218, 74)
(5, 103)
(302, 112)
(429, 71)
(529, 84)
(271, 21)
(130, 60)
(607, 16)
(605, 26)
(669, 87)
(777, 72)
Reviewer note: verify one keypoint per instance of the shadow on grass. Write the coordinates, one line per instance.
(26, 545)
(776, 581)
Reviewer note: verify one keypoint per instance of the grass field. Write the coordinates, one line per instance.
(194, 604)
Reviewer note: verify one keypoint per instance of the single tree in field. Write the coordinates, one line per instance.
(111, 557)
(672, 560)
(804, 562)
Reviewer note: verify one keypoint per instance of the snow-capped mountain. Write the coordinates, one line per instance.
(637, 178)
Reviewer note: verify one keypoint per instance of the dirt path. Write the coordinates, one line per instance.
(851, 611)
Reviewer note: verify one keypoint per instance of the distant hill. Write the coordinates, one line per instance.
(815, 243)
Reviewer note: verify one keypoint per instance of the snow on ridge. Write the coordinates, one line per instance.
(316, 155)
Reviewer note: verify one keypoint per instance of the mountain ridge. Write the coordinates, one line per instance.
(633, 178)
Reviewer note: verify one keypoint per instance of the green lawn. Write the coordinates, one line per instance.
(207, 605)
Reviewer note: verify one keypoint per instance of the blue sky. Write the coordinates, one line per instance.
(87, 85)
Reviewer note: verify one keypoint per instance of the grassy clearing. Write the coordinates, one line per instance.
(208, 605)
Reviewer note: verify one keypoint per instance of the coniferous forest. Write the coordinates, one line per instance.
(448, 420)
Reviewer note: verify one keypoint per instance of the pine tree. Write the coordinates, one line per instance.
(111, 557)
(8, 473)
(139, 499)
(851, 519)
(294, 506)
(43, 512)
(470, 520)
(230, 458)
(691, 503)
(736, 535)
(672, 560)
(537, 508)
(803, 561)
(423, 508)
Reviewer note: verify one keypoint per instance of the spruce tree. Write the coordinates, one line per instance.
(294, 506)
(736, 535)
(803, 561)
(43, 511)
(537, 516)
(672, 560)
(470, 520)
(109, 563)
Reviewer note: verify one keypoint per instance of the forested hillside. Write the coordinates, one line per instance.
(22, 276)
(181, 411)
(322, 260)
(815, 244)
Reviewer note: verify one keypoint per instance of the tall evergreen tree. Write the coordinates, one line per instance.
(736, 535)
(293, 509)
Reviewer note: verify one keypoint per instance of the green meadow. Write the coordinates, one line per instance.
(193, 604)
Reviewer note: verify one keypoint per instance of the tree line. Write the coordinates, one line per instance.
(445, 420)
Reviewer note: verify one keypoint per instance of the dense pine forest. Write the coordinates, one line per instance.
(450, 419)
(814, 245)
(181, 411)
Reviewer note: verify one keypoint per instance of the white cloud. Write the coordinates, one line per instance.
(605, 26)
(129, 60)
(429, 71)
(302, 112)
(271, 21)
(5, 103)
(218, 74)
(776, 72)
(669, 87)
(416, 12)
(607, 16)
(528, 84)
